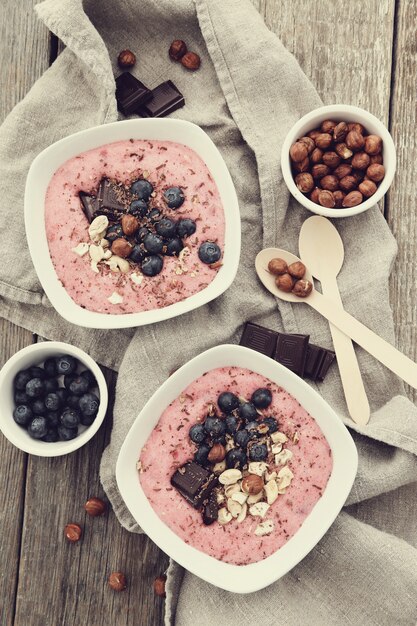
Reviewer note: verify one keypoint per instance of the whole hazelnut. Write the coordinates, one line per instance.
(277, 267)
(355, 126)
(314, 196)
(130, 224)
(298, 151)
(327, 126)
(302, 288)
(309, 143)
(360, 161)
(302, 166)
(121, 247)
(343, 151)
(338, 198)
(367, 188)
(177, 50)
(355, 140)
(331, 159)
(343, 170)
(376, 172)
(73, 532)
(297, 269)
(252, 484)
(373, 144)
(313, 134)
(217, 453)
(284, 282)
(304, 182)
(117, 581)
(329, 182)
(323, 141)
(347, 183)
(95, 507)
(159, 586)
(316, 156)
(376, 158)
(340, 131)
(320, 170)
(326, 198)
(191, 61)
(126, 59)
(352, 199)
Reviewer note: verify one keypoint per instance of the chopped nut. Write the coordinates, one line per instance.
(220, 497)
(218, 468)
(104, 243)
(94, 267)
(276, 448)
(255, 497)
(117, 264)
(136, 278)
(264, 528)
(285, 477)
(224, 516)
(230, 476)
(271, 491)
(259, 509)
(96, 253)
(98, 227)
(231, 489)
(270, 476)
(233, 507)
(115, 298)
(81, 249)
(243, 513)
(258, 468)
(278, 437)
(107, 254)
(240, 497)
(283, 457)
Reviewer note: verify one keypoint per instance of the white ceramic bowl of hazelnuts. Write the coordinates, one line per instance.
(338, 160)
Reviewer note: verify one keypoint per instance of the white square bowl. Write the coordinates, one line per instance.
(47, 162)
(255, 576)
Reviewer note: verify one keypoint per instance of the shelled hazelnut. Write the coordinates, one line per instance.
(117, 581)
(292, 281)
(126, 59)
(159, 585)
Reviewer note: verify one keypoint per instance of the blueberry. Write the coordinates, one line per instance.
(166, 228)
(152, 265)
(51, 384)
(261, 398)
(38, 427)
(174, 247)
(89, 404)
(138, 208)
(141, 234)
(21, 397)
(38, 407)
(70, 418)
(236, 458)
(65, 434)
(53, 418)
(51, 435)
(21, 380)
(247, 411)
(201, 455)
(50, 367)
(91, 379)
(68, 378)
(174, 197)
(252, 428)
(62, 394)
(78, 386)
(209, 252)
(87, 420)
(37, 372)
(53, 402)
(114, 232)
(231, 424)
(137, 255)
(22, 414)
(154, 215)
(153, 243)
(197, 433)
(258, 452)
(66, 364)
(242, 438)
(272, 424)
(73, 402)
(35, 388)
(227, 402)
(215, 426)
(221, 439)
(142, 189)
(186, 227)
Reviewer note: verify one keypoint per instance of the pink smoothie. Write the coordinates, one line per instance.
(165, 164)
(169, 446)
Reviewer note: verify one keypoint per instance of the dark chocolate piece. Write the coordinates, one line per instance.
(166, 98)
(89, 205)
(111, 200)
(131, 93)
(314, 360)
(327, 361)
(291, 351)
(259, 338)
(194, 483)
(210, 510)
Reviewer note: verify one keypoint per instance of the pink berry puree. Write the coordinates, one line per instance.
(164, 164)
(169, 446)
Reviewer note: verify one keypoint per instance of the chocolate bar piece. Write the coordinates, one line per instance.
(166, 98)
(131, 93)
(327, 361)
(111, 200)
(194, 483)
(89, 205)
(314, 360)
(259, 338)
(291, 351)
(210, 510)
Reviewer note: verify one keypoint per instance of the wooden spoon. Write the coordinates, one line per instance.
(389, 356)
(321, 248)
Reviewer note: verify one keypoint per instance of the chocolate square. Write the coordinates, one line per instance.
(89, 205)
(166, 98)
(111, 200)
(327, 361)
(314, 360)
(291, 351)
(194, 483)
(259, 338)
(131, 93)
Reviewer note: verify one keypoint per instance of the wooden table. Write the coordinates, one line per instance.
(361, 53)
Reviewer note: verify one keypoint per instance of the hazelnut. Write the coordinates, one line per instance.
(277, 266)
(358, 175)
(373, 144)
(314, 196)
(327, 126)
(177, 50)
(329, 182)
(309, 143)
(95, 507)
(298, 152)
(326, 198)
(340, 131)
(121, 247)
(338, 198)
(126, 59)
(284, 282)
(343, 170)
(376, 172)
(331, 159)
(360, 161)
(304, 182)
(323, 141)
(355, 140)
(376, 158)
(117, 581)
(313, 134)
(302, 166)
(355, 126)
(316, 156)
(191, 61)
(297, 269)
(367, 188)
(347, 183)
(73, 532)
(343, 151)
(130, 224)
(320, 170)
(302, 288)
(352, 199)
(252, 484)
(159, 586)
(217, 453)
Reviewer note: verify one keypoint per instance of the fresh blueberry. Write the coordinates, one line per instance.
(21, 380)
(89, 376)
(231, 424)
(215, 426)
(272, 424)
(38, 427)
(78, 386)
(227, 402)
(186, 227)
(166, 228)
(247, 411)
(21, 397)
(73, 402)
(201, 455)
(221, 439)
(37, 372)
(252, 428)
(138, 208)
(258, 452)
(174, 197)
(152, 265)
(236, 458)
(142, 188)
(50, 367)
(38, 407)
(53, 402)
(35, 388)
(141, 234)
(51, 435)
(68, 378)
(62, 394)
(242, 438)
(89, 404)
(209, 252)
(197, 433)
(87, 420)
(153, 243)
(138, 254)
(174, 247)
(66, 364)
(70, 418)
(51, 384)
(53, 418)
(154, 215)
(65, 434)
(114, 232)
(261, 398)
(22, 414)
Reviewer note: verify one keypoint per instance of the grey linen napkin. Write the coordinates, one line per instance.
(247, 94)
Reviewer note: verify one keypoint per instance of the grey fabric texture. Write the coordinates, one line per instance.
(246, 95)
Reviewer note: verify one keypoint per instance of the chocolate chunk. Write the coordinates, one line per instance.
(210, 510)
(131, 93)
(327, 361)
(291, 351)
(194, 483)
(166, 98)
(112, 200)
(315, 357)
(89, 205)
(259, 338)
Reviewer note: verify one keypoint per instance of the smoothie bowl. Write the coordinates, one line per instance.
(132, 223)
(236, 468)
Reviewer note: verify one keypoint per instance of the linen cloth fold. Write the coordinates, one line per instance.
(246, 95)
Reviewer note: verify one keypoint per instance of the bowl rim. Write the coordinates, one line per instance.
(255, 576)
(363, 117)
(23, 441)
(101, 135)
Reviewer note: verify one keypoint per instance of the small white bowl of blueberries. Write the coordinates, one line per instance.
(53, 398)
